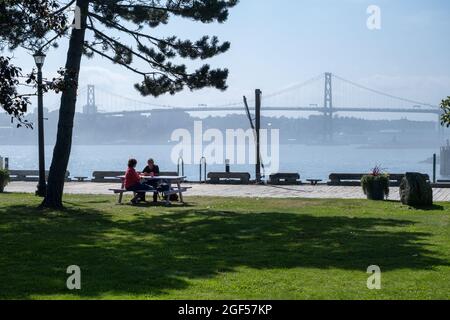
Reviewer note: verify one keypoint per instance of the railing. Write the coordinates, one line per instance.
(203, 165)
(180, 160)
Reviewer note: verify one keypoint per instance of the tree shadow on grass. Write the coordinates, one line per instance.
(153, 253)
(433, 207)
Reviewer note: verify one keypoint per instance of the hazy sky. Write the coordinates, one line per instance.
(277, 43)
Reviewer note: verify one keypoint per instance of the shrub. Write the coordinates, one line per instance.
(369, 181)
(376, 184)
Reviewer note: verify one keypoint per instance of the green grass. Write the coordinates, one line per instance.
(218, 248)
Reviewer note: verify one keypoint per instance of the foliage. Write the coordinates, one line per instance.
(32, 25)
(13, 103)
(161, 74)
(445, 106)
(4, 177)
(377, 171)
(256, 249)
(376, 178)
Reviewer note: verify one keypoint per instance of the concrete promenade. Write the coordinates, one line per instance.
(251, 191)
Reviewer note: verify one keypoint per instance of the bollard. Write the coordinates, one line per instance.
(227, 166)
(203, 165)
(445, 160)
(434, 167)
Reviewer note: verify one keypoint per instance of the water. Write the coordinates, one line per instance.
(309, 161)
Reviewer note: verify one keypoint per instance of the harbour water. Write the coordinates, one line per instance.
(309, 161)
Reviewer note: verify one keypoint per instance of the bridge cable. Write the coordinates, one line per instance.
(384, 94)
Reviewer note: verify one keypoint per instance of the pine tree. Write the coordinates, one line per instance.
(96, 21)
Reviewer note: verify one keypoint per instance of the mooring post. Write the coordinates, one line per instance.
(434, 167)
(258, 93)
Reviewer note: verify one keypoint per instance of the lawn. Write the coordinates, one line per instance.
(217, 248)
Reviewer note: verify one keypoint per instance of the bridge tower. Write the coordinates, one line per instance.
(328, 107)
(90, 107)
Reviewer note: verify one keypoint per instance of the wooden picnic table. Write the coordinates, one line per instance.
(314, 182)
(170, 180)
(80, 179)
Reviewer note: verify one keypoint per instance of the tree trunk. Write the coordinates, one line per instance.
(63, 146)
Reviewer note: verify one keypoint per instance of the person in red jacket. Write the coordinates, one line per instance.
(133, 182)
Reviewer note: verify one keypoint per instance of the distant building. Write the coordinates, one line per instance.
(90, 109)
(35, 111)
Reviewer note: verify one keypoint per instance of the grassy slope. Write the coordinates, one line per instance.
(223, 248)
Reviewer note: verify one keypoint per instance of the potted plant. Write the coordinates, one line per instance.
(4, 179)
(376, 185)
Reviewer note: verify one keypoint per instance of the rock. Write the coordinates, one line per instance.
(415, 190)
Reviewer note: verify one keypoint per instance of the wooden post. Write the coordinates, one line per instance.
(258, 138)
(434, 167)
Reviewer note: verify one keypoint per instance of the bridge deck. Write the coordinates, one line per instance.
(436, 111)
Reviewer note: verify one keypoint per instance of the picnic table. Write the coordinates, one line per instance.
(80, 179)
(314, 182)
(174, 183)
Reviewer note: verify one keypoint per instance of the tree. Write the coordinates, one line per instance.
(445, 118)
(120, 31)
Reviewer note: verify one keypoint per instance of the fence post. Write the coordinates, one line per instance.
(257, 129)
(434, 167)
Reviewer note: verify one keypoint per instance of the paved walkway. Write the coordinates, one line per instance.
(304, 191)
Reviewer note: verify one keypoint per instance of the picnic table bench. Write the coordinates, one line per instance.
(80, 179)
(106, 176)
(354, 179)
(30, 175)
(166, 194)
(441, 184)
(285, 179)
(228, 178)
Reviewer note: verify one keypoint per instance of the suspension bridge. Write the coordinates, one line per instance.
(326, 94)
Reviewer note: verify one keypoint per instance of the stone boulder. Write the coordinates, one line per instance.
(415, 191)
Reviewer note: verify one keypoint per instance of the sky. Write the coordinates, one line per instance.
(278, 43)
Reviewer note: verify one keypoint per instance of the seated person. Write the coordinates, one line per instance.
(133, 182)
(152, 170)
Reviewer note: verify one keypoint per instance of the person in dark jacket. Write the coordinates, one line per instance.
(152, 170)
